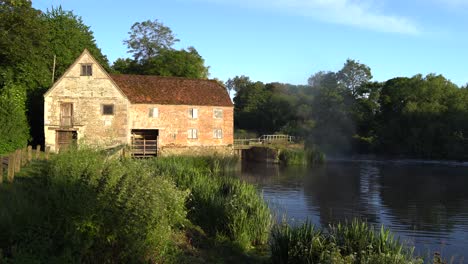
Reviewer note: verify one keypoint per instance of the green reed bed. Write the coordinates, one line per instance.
(221, 205)
(300, 156)
(355, 242)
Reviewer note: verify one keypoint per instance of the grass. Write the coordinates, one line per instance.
(355, 242)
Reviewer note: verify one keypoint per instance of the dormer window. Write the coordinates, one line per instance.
(86, 69)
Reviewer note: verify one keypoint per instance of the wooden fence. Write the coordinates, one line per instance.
(12, 163)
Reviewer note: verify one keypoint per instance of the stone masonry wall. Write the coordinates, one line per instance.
(87, 94)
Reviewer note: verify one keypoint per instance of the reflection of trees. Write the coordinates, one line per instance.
(336, 191)
(424, 197)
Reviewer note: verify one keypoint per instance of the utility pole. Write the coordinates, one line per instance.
(53, 71)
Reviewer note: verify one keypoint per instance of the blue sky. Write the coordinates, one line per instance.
(289, 40)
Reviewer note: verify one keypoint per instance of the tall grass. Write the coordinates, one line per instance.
(356, 242)
(92, 210)
(84, 207)
(220, 204)
(298, 156)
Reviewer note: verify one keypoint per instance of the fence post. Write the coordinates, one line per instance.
(47, 151)
(24, 156)
(38, 151)
(11, 167)
(29, 153)
(1, 169)
(17, 160)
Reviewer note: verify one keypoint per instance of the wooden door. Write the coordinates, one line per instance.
(66, 115)
(65, 139)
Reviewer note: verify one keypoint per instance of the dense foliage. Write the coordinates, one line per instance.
(85, 207)
(29, 41)
(345, 113)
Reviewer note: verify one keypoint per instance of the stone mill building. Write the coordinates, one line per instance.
(152, 115)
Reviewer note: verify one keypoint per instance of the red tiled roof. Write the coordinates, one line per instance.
(146, 89)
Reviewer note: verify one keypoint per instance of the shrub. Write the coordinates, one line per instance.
(100, 211)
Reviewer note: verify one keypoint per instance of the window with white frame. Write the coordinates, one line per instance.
(218, 113)
(217, 133)
(192, 133)
(193, 113)
(153, 112)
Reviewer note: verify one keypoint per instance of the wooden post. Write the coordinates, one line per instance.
(11, 167)
(24, 156)
(47, 151)
(1, 169)
(29, 153)
(38, 151)
(17, 160)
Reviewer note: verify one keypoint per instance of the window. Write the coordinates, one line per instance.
(154, 112)
(108, 109)
(193, 113)
(192, 133)
(86, 69)
(218, 113)
(217, 133)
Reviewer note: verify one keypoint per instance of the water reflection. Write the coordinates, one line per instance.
(426, 205)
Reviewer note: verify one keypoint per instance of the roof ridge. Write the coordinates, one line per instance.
(165, 77)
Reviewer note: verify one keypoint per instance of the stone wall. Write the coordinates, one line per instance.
(87, 94)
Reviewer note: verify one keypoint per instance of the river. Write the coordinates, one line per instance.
(424, 204)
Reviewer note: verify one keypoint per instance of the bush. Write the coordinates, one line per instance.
(95, 210)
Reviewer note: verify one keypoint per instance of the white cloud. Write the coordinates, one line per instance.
(358, 13)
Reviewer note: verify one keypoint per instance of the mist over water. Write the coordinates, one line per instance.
(425, 204)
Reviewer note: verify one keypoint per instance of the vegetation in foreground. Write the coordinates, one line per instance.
(84, 207)
(356, 242)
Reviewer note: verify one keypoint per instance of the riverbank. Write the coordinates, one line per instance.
(84, 207)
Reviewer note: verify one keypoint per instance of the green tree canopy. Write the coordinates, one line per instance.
(148, 38)
(151, 44)
(68, 36)
(353, 75)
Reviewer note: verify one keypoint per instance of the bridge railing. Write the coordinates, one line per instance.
(265, 139)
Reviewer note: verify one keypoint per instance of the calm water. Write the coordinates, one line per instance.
(425, 204)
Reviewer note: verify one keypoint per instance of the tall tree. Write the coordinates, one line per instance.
(148, 38)
(23, 46)
(151, 44)
(68, 36)
(353, 75)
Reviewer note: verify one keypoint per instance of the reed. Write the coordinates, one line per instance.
(354, 242)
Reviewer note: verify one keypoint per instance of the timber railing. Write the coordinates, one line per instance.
(265, 139)
(12, 163)
(144, 147)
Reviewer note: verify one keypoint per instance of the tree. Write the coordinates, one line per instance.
(179, 63)
(151, 44)
(353, 75)
(148, 38)
(68, 36)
